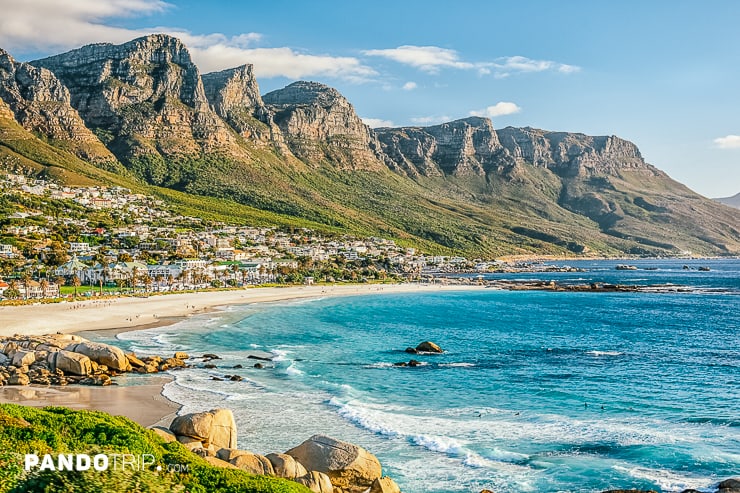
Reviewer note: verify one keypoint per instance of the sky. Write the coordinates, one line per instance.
(663, 74)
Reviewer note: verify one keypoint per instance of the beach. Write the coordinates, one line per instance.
(130, 313)
(145, 403)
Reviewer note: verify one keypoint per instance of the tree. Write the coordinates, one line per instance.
(76, 283)
(44, 287)
(26, 278)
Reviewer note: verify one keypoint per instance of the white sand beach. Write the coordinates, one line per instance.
(129, 313)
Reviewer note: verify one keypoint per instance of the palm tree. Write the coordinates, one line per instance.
(26, 278)
(148, 281)
(134, 275)
(44, 287)
(159, 278)
(76, 283)
(235, 270)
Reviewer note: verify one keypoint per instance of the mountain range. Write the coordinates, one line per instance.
(733, 201)
(141, 115)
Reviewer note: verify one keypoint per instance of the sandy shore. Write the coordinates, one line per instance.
(145, 403)
(132, 313)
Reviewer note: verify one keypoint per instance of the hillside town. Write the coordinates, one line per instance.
(106, 240)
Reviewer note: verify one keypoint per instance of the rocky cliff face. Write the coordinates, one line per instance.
(471, 147)
(145, 95)
(319, 124)
(37, 100)
(235, 96)
(570, 154)
(467, 147)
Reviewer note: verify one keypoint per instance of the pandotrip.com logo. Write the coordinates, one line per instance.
(99, 462)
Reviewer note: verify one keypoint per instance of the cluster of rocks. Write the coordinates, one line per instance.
(61, 359)
(321, 463)
(731, 485)
(426, 347)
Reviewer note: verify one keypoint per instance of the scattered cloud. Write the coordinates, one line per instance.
(503, 67)
(67, 25)
(409, 86)
(433, 58)
(499, 109)
(426, 58)
(431, 120)
(377, 122)
(279, 62)
(728, 142)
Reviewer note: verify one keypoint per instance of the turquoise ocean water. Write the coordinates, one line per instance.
(536, 391)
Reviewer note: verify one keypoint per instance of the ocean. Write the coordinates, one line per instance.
(536, 391)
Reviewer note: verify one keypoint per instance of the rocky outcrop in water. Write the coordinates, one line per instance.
(320, 125)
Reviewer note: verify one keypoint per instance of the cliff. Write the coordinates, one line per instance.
(320, 125)
(39, 102)
(145, 98)
(234, 95)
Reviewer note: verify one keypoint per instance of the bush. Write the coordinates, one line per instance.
(58, 430)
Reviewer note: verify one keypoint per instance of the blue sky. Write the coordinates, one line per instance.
(663, 74)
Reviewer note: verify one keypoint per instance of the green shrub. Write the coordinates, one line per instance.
(58, 430)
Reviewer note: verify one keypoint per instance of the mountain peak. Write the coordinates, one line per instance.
(305, 93)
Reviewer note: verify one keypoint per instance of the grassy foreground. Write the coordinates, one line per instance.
(59, 430)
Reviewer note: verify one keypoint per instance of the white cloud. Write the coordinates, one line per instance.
(503, 67)
(728, 142)
(432, 58)
(426, 58)
(67, 25)
(377, 122)
(498, 109)
(431, 120)
(409, 86)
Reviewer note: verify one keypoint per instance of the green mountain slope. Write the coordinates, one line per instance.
(300, 156)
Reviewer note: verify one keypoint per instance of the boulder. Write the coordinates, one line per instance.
(219, 463)
(21, 358)
(215, 427)
(316, 481)
(428, 347)
(134, 361)
(253, 464)
(346, 464)
(190, 443)
(385, 485)
(181, 355)
(19, 379)
(164, 434)
(731, 485)
(228, 454)
(70, 363)
(411, 350)
(103, 354)
(286, 466)
(4, 360)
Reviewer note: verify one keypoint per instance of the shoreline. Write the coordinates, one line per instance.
(132, 313)
(145, 403)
